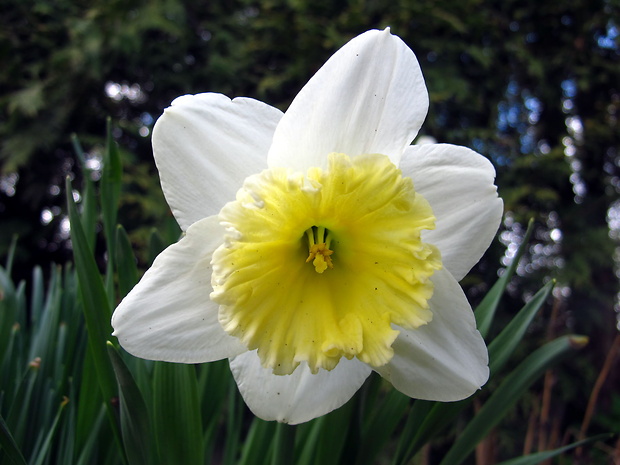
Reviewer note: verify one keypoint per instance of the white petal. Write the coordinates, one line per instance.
(446, 359)
(298, 397)
(205, 146)
(458, 183)
(168, 315)
(369, 97)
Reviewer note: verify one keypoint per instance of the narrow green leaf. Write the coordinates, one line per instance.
(22, 404)
(110, 183)
(415, 419)
(126, 266)
(8, 311)
(156, 245)
(89, 200)
(91, 401)
(214, 380)
(42, 453)
(335, 432)
(379, 426)
(89, 210)
(37, 305)
(11, 255)
(258, 441)
(9, 445)
(505, 343)
(87, 451)
(77, 148)
(135, 422)
(507, 394)
(309, 434)
(48, 319)
(11, 362)
(284, 445)
(485, 312)
(96, 308)
(539, 457)
(66, 443)
(442, 414)
(233, 423)
(176, 414)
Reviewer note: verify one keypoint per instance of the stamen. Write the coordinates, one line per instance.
(319, 252)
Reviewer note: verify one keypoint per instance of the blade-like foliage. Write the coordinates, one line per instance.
(508, 393)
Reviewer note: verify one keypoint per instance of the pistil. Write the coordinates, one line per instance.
(319, 252)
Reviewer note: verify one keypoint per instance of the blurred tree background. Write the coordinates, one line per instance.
(533, 85)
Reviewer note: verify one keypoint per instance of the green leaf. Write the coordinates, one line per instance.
(258, 441)
(441, 414)
(111, 178)
(89, 200)
(89, 211)
(42, 453)
(233, 423)
(176, 414)
(507, 394)
(96, 308)
(8, 311)
(23, 403)
(125, 262)
(156, 245)
(538, 457)
(66, 441)
(91, 401)
(380, 424)
(79, 151)
(485, 312)
(11, 255)
(308, 438)
(335, 430)
(406, 445)
(214, 380)
(89, 448)
(9, 445)
(284, 445)
(135, 422)
(504, 344)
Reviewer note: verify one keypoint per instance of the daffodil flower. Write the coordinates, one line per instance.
(319, 245)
